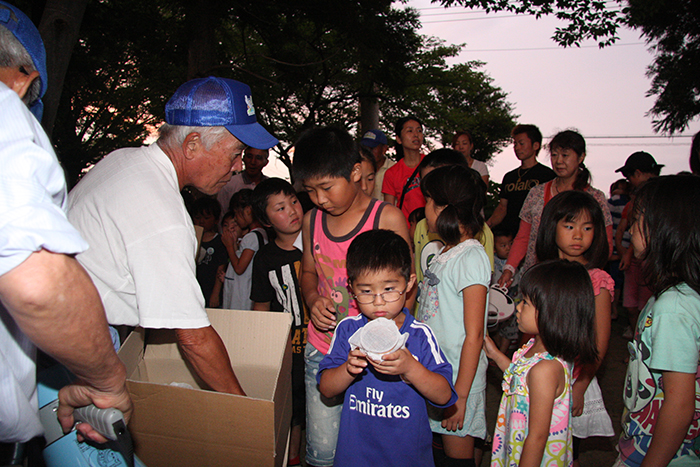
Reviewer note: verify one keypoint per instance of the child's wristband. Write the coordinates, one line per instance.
(510, 268)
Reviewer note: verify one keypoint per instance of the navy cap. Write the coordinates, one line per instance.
(28, 35)
(373, 138)
(219, 102)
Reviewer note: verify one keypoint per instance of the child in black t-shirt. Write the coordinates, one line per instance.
(212, 252)
(275, 285)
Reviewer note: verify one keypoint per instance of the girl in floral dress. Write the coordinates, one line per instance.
(534, 418)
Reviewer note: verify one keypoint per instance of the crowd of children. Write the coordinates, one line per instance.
(419, 263)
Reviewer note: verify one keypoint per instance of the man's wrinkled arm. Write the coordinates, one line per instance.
(54, 302)
(207, 353)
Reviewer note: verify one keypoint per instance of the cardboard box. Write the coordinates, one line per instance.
(174, 426)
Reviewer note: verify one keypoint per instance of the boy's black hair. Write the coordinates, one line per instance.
(562, 293)
(366, 155)
(378, 250)
(416, 215)
(263, 191)
(532, 132)
(502, 231)
(325, 152)
(206, 205)
(570, 139)
(240, 200)
(462, 192)
(567, 206)
(620, 183)
(670, 225)
(305, 200)
(442, 157)
(227, 215)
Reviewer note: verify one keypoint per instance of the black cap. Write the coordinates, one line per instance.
(642, 161)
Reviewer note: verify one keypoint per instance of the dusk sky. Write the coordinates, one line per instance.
(599, 92)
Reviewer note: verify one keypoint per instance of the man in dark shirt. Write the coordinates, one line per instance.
(527, 141)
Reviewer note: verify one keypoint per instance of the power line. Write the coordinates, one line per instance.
(550, 48)
(451, 13)
(474, 19)
(639, 137)
(635, 144)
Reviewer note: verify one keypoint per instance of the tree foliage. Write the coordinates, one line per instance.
(671, 28)
(450, 98)
(309, 63)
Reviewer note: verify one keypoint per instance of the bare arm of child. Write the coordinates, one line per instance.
(611, 238)
(517, 253)
(474, 304)
(603, 305)
(393, 219)
(495, 354)
(621, 250)
(243, 261)
(546, 381)
(261, 306)
(321, 309)
(432, 386)
(239, 263)
(674, 418)
(229, 238)
(214, 299)
(336, 380)
(499, 213)
(391, 199)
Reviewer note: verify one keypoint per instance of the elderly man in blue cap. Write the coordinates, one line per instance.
(47, 298)
(142, 241)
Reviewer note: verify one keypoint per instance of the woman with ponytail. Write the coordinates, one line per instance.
(568, 151)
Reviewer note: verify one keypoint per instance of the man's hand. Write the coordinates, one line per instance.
(79, 394)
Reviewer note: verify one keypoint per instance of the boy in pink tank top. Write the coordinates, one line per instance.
(327, 162)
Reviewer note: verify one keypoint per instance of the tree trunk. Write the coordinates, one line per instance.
(369, 112)
(202, 16)
(59, 28)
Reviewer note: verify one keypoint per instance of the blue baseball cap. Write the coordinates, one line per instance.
(28, 35)
(373, 138)
(219, 102)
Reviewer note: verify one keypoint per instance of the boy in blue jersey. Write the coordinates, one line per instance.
(384, 419)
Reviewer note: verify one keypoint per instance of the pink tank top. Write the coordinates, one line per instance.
(329, 257)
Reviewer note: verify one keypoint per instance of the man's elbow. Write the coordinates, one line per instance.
(43, 281)
(192, 338)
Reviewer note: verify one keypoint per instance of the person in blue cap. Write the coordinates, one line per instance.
(37, 263)
(376, 142)
(142, 241)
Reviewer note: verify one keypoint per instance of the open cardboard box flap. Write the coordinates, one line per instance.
(175, 426)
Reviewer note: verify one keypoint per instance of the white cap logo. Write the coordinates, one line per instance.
(250, 110)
